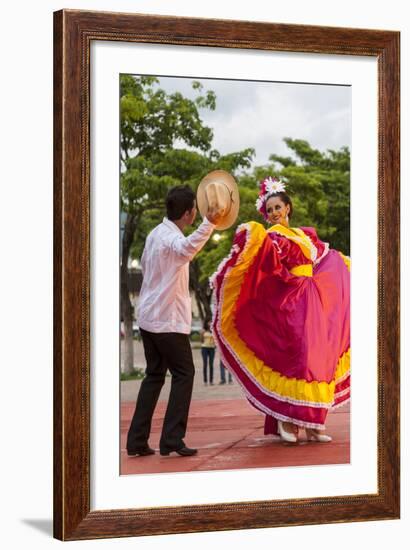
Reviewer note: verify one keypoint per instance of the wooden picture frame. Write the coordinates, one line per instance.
(74, 32)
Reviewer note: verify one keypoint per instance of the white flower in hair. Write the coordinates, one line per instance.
(259, 202)
(274, 186)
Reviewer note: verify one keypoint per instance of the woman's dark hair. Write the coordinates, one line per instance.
(179, 200)
(284, 197)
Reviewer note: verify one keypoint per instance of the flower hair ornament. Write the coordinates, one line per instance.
(268, 187)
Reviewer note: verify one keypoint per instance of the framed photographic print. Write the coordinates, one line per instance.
(222, 421)
(147, 103)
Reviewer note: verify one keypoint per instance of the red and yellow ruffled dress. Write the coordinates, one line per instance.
(282, 322)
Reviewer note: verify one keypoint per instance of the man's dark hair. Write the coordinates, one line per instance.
(179, 200)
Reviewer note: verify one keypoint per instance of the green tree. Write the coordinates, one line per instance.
(319, 184)
(152, 122)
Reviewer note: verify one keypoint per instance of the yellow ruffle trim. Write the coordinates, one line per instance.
(343, 366)
(298, 237)
(292, 388)
(346, 260)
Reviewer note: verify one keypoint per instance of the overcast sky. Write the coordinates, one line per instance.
(261, 114)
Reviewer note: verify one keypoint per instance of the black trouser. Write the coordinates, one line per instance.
(163, 351)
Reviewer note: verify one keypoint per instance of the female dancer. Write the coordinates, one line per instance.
(282, 321)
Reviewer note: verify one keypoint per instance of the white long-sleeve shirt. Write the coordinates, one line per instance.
(164, 301)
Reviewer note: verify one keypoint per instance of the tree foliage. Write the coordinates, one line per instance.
(153, 124)
(152, 120)
(319, 184)
(165, 143)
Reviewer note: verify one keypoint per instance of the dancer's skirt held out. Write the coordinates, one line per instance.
(282, 323)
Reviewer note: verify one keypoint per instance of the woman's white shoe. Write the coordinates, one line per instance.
(314, 435)
(286, 436)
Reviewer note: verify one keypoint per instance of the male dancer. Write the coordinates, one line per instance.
(164, 318)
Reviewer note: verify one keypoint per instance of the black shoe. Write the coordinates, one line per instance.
(221, 383)
(142, 451)
(183, 451)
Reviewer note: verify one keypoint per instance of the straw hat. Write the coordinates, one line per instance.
(218, 188)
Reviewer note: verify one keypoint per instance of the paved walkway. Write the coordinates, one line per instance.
(228, 433)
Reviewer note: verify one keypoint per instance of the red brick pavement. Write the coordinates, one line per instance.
(229, 435)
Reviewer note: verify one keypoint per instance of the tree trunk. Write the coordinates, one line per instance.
(202, 291)
(126, 306)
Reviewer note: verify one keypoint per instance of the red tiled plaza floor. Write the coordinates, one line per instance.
(229, 435)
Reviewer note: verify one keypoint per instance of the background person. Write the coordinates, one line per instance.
(208, 353)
